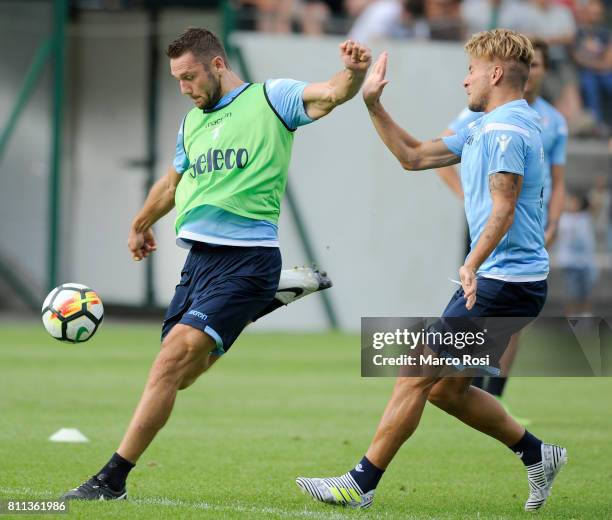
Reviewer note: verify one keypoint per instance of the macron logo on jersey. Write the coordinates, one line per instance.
(503, 141)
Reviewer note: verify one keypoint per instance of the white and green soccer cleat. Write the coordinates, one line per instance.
(340, 491)
(295, 284)
(299, 282)
(542, 474)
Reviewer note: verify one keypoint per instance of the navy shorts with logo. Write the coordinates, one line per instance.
(501, 309)
(222, 288)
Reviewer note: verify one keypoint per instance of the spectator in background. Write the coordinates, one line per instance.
(353, 8)
(575, 253)
(444, 19)
(273, 16)
(484, 15)
(322, 16)
(592, 53)
(554, 23)
(331, 16)
(600, 202)
(390, 19)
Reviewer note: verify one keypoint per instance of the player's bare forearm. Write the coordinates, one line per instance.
(555, 205)
(411, 153)
(158, 203)
(504, 189)
(399, 142)
(321, 98)
(345, 84)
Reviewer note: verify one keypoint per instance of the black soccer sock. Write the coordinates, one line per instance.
(115, 472)
(495, 386)
(528, 449)
(366, 475)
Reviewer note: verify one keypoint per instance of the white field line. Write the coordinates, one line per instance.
(166, 502)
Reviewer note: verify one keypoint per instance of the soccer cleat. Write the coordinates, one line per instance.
(295, 284)
(341, 491)
(299, 282)
(542, 474)
(94, 489)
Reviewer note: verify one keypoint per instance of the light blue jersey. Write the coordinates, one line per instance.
(214, 225)
(507, 139)
(554, 139)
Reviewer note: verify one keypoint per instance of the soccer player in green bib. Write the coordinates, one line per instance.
(226, 183)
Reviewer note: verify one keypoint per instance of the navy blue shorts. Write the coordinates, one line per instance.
(499, 299)
(501, 310)
(222, 288)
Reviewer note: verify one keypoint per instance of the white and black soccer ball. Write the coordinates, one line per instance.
(72, 312)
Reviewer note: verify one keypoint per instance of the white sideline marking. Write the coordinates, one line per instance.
(238, 508)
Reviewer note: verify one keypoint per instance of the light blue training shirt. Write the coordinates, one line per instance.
(507, 139)
(554, 139)
(214, 225)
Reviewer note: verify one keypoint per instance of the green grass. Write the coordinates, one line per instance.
(278, 406)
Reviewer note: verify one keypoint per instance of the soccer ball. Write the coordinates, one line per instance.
(72, 312)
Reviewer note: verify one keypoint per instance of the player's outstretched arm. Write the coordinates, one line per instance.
(159, 201)
(321, 98)
(410, 152)
(504, 189)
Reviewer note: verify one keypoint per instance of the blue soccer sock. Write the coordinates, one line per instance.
(366, 475)
(528, 449)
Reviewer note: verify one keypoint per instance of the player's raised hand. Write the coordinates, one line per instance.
(375, 82)
(355, 56)
(469, 283)
(141, 244)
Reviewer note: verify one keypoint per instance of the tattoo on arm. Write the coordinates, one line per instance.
(505, 184)
(508, 187)
(436, 140)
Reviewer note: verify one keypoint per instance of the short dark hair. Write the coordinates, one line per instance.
(540, 45)
(202, 43)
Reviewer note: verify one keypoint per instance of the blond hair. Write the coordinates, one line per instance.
(507, 46)
(501, 44)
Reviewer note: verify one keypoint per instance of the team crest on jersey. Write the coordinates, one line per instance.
(503, 141)
(216, 131)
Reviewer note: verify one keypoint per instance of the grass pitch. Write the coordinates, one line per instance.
(278, 406)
